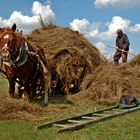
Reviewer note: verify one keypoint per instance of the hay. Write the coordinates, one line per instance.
(135, 60)
(70, 56)
(19, 109)
(109, 82)
(76, 62)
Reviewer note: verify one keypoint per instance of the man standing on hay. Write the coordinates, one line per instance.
(122, 47)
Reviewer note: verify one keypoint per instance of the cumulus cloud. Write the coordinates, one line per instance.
(116, 3)
(135, 28)
(105, 50)
(45, 11)
(101, 46)
(89, 30)
(28, 23)
(92, 30)
(116, 23)
(80, 25)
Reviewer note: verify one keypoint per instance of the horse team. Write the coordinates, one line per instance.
(24, 63)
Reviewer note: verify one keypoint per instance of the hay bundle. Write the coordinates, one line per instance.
(70, 56)
(71, 68)
(108, 82)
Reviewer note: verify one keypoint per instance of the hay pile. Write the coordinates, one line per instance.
(135, 61)
(19, 109)
(78, 64)
(108, 82)
(70, 56)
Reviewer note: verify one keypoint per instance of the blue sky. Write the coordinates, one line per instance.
(97, 20)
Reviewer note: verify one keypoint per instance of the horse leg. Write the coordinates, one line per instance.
(28, 90)
(11, 88)
(20, 91)
(34, 89)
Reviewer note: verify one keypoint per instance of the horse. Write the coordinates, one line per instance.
(23, 63)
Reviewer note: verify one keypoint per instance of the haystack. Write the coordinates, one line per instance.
(108, 82)
(70, 56)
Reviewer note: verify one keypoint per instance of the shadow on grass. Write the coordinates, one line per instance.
(58, 99)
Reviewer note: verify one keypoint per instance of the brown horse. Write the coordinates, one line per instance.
(23, 63)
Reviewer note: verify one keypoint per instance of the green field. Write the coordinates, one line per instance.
(120, 128)
(3, 84)
(126, 127)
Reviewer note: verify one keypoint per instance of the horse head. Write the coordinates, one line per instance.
(11, 44)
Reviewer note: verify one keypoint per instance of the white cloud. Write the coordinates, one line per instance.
(101, 3)
(116, 23)
(116, 3)
(45, 11)
(101, 46)
(135, 28)
(104, 50)
(80, 25)
(91, 30)
(28, 23)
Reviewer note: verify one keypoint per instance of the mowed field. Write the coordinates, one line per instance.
(24, 128)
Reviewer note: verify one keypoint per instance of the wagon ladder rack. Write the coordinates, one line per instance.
(80, 121)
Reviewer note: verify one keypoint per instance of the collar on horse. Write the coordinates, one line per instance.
(23, 55)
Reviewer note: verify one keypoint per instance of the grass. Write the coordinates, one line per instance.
(125, 127)
(3, 84)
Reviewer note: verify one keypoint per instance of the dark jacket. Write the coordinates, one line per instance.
(123, 42)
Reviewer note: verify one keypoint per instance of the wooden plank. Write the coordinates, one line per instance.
(90, 118)
(74, 127)
(60, 125)
(111, 111)
(117, 109)
(99, 114)
(75, 121)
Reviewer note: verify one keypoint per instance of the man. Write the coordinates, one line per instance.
(122, 47)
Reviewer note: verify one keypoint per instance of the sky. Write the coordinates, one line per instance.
(97, 20)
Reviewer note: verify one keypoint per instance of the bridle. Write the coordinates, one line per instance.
(16, 57)
(12, 48)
